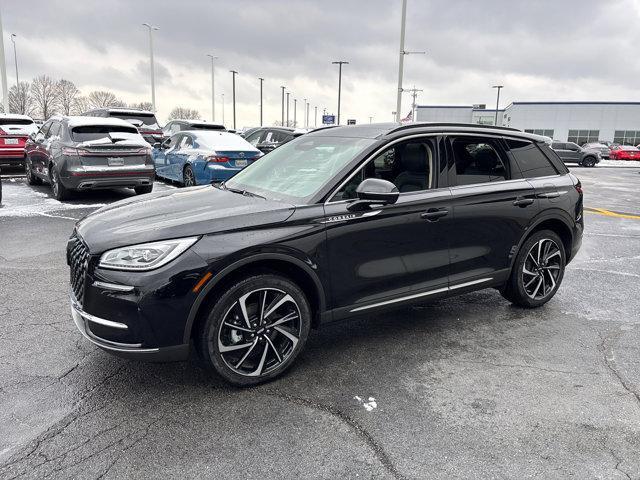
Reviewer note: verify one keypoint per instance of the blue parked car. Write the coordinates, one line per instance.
(202, 157)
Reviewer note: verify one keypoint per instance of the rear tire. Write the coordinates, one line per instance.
(28, 170)
(188, 178)
(589, 162)
(143, 189)
(537, 271)
(273, 319)
(60, 192)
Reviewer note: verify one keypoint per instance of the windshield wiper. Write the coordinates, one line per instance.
(246, 193)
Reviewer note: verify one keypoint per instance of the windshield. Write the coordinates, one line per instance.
(147, 119)
(96, 132)
(296, 171)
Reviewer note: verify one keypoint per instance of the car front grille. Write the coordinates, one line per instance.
(78, 259)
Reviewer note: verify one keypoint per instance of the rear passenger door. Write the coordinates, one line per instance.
(492, 207)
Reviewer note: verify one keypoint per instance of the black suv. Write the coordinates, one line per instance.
(340, 222)
(144, 120)
(267, 139)
(570, 152)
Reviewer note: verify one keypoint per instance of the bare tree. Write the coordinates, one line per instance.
(104, 99)
(20, 99)
(142, 105)
(184, 113)
(45, 96)
(80, 105)
(67, 94)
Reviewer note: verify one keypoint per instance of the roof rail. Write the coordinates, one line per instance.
(450, 124)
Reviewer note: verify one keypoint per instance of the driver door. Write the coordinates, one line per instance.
(160, 156)
(385, 253)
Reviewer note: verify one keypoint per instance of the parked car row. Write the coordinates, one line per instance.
(570, 152)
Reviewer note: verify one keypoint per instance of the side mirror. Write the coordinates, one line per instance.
(376, 190)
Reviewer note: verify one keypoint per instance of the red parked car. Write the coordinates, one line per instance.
(14, 131)
(624, 152)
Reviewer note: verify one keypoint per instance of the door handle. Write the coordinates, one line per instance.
(433, 214)
(548, 195)
(523, 202)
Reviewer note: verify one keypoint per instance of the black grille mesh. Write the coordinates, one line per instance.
(78, 258)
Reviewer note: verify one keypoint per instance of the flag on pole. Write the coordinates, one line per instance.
(408, 118)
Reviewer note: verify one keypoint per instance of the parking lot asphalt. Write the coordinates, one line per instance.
(469, 387)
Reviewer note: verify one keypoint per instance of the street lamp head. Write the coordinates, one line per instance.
(13, 37)
(340, 62)
(498, 86)
(150, 27)
(212, 57)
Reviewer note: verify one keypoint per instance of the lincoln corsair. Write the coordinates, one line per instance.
(342, 222)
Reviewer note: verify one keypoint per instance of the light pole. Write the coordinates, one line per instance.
(403, 52)
(223, 109)
(282, 121)
(315, 117)
(3, 72)
(288, 93)
(295, 111)
(306, 120)
(15, 58)
(233, 93)
(498, 87)
(261, 81)
(153, 76)
(213, 88)
(370, 119)
(307, 117)
(340, 63)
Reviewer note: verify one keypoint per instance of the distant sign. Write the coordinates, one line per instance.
(328, 119)
(351, 121)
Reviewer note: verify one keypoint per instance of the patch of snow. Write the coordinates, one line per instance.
(368, 405)
(618, 163)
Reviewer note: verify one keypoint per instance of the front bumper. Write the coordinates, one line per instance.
(84, 322)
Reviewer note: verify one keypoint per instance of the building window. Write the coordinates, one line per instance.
(627, 137)
(583, 136)
(485, 120)
(545, 132)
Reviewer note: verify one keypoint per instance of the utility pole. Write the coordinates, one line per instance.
(315, 118)
(414, 93)
(15, 58)
(307, 117)
(261, 81)
(223, 109)
(153, 75)
(282, 87)
(288, 93)
(304, 115)
(340, 63)
(403, 52)
(370, 119)
(3, 71)
(213, 88)
(498, 87)
(233, 93)
(295, 112)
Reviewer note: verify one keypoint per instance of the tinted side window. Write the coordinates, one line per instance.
(54, 131)
(530, 159)
(557, 146)
(478, 160)
(254, 138)
(553, 158)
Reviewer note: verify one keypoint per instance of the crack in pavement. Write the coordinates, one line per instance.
(610, 362)
(618, 462)
(531, 367)
(379, 451)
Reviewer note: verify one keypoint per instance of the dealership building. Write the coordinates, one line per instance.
(578, 122)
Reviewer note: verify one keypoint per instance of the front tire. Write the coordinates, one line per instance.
(28, 170)
(537, 271)
(143, 189)
(255, 329)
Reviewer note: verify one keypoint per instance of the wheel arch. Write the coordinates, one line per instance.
(554, 222)
(293, 268)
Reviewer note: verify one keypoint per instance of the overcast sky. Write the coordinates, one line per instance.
(539, 50)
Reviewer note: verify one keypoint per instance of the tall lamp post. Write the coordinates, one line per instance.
(315, 117)
(498, 87)
(3, 71)
(340, 63)
(282, 87)
(15, 59)
(213, 87)
(261, 81)
(304, 114)
(233, 94)
(153, 75)
(223, 109)
(288, 93)
(295, 112)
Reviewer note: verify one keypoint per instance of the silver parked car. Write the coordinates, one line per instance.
(570, 152)
(82, 153)
(601, 147)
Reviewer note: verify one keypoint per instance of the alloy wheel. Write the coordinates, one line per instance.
(541, 269)
(54, 182)
(189, 179)
(259, 332)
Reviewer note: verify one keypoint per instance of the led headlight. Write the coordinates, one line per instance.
(146, 256)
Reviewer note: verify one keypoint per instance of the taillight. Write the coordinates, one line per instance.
(578, 187)
(2, 132)
(217, 159)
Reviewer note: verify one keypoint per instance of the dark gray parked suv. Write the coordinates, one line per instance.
(570, 152)
(81, 153)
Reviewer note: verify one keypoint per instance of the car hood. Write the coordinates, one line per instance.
(175, 214)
